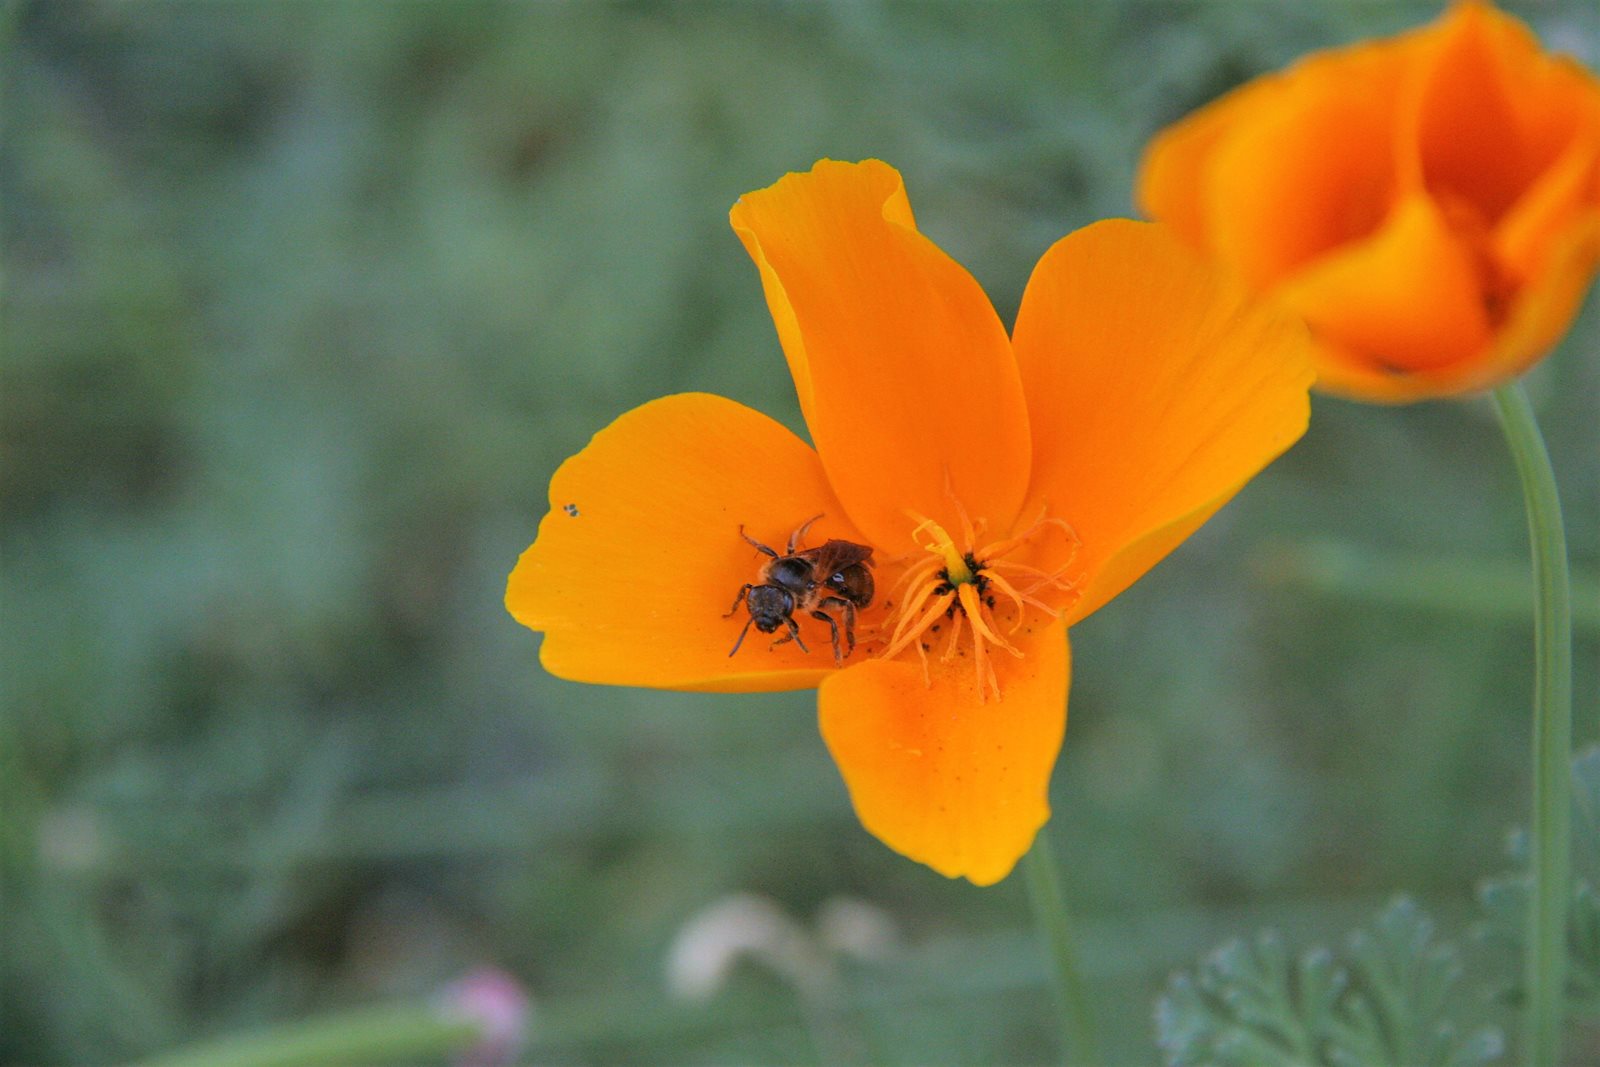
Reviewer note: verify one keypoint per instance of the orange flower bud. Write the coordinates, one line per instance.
(1430, 203)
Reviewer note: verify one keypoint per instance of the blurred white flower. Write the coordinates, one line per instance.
(740, 926)
(745, 926)
(851, 927)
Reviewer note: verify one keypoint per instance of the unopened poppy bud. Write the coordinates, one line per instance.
(1429, 203)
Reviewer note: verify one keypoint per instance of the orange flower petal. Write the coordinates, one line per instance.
(941, 777)
(1539, 316)
(1157, 388)
(1411, 297)
(1488, 113)
(1567, 191)
(1548, 303)
(640, 555)
(904, 370)
(1311, 170)
(1171, 177)
(1342, 372)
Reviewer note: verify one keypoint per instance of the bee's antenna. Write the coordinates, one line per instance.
(764, 549)
(794, 538)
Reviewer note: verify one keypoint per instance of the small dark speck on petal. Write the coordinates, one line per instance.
(570, 509)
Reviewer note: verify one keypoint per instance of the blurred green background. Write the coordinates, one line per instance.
(303, 304)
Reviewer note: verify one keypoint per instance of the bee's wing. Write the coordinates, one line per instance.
(837, 555)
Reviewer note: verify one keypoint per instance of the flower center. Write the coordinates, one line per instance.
(956, 592)
(1472, 226)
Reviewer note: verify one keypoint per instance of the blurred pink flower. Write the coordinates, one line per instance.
(499, 1004)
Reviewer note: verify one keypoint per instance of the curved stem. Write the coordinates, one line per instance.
(1545, 958)
(1055, 926)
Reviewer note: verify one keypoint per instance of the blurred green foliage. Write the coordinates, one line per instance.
(1392, 1002)
(1395, 997)
(1504, 900)
(303, 303)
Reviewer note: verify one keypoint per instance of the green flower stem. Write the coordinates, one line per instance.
(1545, 959)
(372, 1036)
(1055, 926)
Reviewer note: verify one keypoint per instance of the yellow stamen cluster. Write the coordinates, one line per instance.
(959, 584)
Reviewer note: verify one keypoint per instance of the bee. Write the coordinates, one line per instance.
(830, 582)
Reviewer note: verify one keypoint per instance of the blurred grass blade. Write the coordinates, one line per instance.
(1497, 589)
(404, 1034)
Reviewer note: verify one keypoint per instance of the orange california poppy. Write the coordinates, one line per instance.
(1430, 203)
(1005, 488)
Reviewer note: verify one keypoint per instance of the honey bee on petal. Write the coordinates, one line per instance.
(831, 582)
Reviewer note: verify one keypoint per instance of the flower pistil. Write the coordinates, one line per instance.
(961, 583)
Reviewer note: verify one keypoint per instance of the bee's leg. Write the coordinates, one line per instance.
(738, 600)
(792, 634)
(849, 611)
(742, 632)
(800, 531)
(758, 544)
(833, 627)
